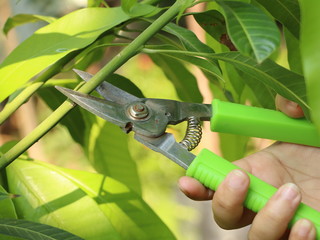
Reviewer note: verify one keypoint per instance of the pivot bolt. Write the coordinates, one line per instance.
(138, 111)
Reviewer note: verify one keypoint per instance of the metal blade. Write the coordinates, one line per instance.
(108, 91)
(108, 110)
(167, 145)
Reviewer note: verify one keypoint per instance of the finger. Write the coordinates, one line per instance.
(303, 230)
(228, 201)
(194, 189)
(288, 107)
(272, 221)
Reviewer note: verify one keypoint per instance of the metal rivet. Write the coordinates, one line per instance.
(138, 111)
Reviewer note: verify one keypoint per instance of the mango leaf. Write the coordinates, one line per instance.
(90, 205)
(7, 209)
(189, 40)
(184, 82)
(252, 32)
(53, 42)
(107, 146)
(95, 3)
(285, 82)
(285, 11)
(73, 121)
(107, 149)
(233, 147)
(125, 84)
(133, 8)
(21, 19)
(33, 231)
(209, 68)
(310, 52)
(93, 53)
(212, 22)
(263, 94)
(294, 53)
(127, 5)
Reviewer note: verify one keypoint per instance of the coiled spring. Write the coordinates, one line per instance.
(193, 134)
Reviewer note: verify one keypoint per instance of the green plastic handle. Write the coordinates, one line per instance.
(211, 170)
(263, 123)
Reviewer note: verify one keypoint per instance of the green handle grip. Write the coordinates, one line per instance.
(211, 170)
(263, 123)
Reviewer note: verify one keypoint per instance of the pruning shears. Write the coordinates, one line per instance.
(148, 118)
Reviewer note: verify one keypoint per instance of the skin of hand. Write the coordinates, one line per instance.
(292, 168)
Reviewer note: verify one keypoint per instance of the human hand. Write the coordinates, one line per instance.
(289, 167)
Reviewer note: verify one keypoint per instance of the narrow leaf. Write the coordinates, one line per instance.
(53, 42)
(7, 209)
(73, 121)
(211, 69)
(134, 9)
(184, 82)
(21, 19)
(285, 82)
(33, 231)
(127, 5)
(107, 150)
(233, 147)
(90, 205)
(212, 22)
(263, 93)
(96, 3)
(294, 52)
(251, 30)
(189, 40)
(285, 11)
(310, 51)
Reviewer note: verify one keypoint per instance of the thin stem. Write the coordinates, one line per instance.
(129, 51)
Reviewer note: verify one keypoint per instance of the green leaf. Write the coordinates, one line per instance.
(33, 231)
(73, 121)
(233, 147)
(184, 82)
(294, 53)
(212, 22)
(251, 30)
(310, 52)
(189, 40)
(283, 81)
(53, 42)
(127, 5)
(285, 11)
(90, 205)
(125, 84)
(107, 150)
(134, 9)
(209, 68)
(263, 94)
(21, 19)
(107, 146)
(7, 209)
(94, 3)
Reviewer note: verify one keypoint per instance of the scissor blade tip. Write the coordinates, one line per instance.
(84, 75)
(65, 91)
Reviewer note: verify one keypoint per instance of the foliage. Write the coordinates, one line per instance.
(245, 40)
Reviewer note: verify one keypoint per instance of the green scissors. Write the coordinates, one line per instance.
(148, 118)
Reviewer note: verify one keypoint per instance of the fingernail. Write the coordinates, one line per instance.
(236, 179)
(305, 228)
(290, 192)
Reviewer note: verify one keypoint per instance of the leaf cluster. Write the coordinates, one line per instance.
(245, 40)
